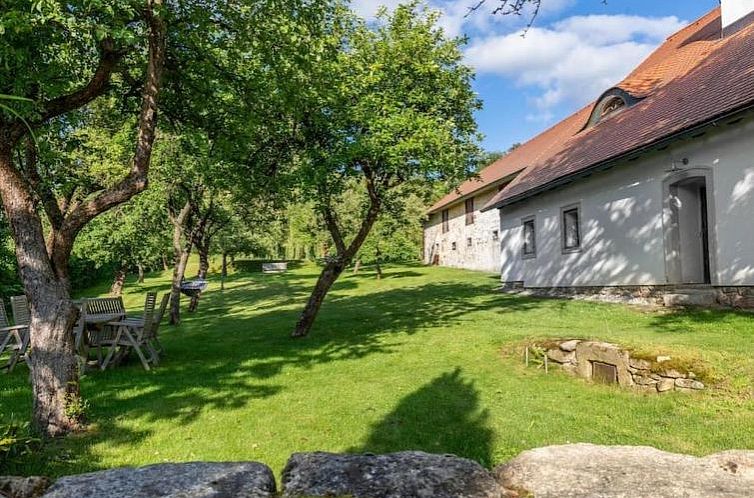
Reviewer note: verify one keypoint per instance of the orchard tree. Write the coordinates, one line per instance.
(62, 56)
(399, 111)
(132, 236)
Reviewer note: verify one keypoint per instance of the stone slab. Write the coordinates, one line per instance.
(586, 470)
(171, 480)
(409, 474)
(23, 487)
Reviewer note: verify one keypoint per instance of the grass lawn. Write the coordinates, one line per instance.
(423, 359)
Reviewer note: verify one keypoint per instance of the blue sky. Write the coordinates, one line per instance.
(576, 50)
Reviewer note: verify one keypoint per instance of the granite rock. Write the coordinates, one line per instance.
(408, 474)
(171, 480)
(586, 470)
(23, 487)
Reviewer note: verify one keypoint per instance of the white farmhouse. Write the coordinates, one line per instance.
(649, 188)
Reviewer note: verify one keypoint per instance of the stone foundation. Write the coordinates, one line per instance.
(609, 364)
(740, 297)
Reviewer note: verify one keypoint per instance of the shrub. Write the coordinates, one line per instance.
(16, 441)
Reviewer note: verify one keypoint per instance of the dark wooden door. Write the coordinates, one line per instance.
(705, 234)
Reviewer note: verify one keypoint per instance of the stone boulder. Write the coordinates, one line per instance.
(586, 470)
(23, 487)
(409, 474)
(184, 480)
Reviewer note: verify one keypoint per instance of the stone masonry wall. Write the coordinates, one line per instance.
(452, 248)
(658, 374)
(741, 297)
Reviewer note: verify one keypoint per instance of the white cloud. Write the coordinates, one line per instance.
(575, 59)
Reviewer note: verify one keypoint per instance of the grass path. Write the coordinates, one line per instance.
(423, 359)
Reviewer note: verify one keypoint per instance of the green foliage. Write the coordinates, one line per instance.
(134, 233)
(50, 45)
(76, 407)
(9, 282)
(396, 105)
(16, 442)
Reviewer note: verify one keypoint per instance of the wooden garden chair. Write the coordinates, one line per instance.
(152, 335)
(14, 339)
(133, 334)
(22, 321)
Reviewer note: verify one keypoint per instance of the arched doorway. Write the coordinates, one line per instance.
(688, 227)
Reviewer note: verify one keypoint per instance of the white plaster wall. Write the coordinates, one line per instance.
(733, 10)
(622, 222)
(484, 253)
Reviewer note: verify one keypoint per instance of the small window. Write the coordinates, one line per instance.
(495, 235)
(611, 105)
(571, 229)
(470, 211)
(529, 249)
(445, 221)
(453, 246)
(468, 242)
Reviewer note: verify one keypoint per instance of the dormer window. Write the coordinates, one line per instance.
(612, 101)
(611, 105)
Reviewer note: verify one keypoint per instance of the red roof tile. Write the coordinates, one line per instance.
(687, 83)
(693, 76)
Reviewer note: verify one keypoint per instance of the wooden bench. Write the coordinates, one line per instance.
(94, 314)
(280, 267)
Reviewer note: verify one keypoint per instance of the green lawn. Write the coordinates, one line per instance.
(423, 359)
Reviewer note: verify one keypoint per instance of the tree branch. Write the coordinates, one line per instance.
(46, 197)
(375, 204)
(136, 180)
(97, 85)
(332, 226)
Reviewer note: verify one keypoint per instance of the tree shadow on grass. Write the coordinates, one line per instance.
(351, 327)
(686, 320)
(443, 416)
(229, 353)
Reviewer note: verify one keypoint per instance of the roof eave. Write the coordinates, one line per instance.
(486, 186)
(609, 163)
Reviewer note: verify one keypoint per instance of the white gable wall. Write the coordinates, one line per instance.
(484, 253)
(622, 224)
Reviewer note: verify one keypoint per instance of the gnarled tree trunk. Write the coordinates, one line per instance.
(118, 282)
(179, 272)
(335, 266)
(202, 247)
(224, 271)
(43, 263)
(377, 258)
(140, 269)
(52, 359)
(182, 250)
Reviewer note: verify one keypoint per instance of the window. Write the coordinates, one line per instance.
(529, 249)
(445, 222)
(571, 229)
(468, 242)
(495, 235)
(470, 211)
(453, 246)
(611, 105)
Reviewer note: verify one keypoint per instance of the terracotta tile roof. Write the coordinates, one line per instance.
(679, 54)
(693, 78)
(536, 149)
